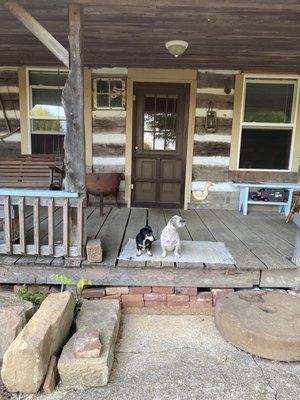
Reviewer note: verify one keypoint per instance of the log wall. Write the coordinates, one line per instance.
(9, 92)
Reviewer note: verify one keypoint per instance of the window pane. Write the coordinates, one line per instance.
(47, 103)
(116, 101)
(103, 100)
(148, 141)
(102, 86)
(265, 148)
(47, 78)
(269, 102)
(47, 144)
(50, 126)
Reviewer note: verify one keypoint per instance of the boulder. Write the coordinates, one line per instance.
(14, 313)
(51, 377)
(26, 361)
(87, 344)
(263, 323)
(103, 316)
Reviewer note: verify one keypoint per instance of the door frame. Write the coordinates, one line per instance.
(188, 76)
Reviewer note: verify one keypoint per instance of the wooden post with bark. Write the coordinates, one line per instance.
(73, 103)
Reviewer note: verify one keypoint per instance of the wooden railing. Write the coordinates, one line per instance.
(45, 223)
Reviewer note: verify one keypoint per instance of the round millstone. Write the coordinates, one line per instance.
(263, 323)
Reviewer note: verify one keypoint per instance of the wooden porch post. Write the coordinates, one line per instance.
(74, 144)
(73, 103)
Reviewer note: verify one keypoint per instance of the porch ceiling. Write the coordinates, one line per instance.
(233, 34)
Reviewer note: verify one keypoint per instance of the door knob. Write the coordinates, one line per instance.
(136, 147)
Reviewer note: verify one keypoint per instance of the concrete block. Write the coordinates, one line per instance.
(94, 252)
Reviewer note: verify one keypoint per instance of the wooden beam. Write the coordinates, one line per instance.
(73, 103)
(39, 31)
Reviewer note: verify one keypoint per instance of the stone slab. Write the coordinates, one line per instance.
(14, 313)
(263, 323)
(26, 361)
(92, 372)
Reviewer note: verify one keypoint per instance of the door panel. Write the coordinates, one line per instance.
(159, 145)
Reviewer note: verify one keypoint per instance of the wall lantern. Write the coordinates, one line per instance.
(211, 121)
(177, 47)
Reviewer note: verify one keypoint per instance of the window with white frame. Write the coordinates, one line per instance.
(47, 119)
(109, 93)
(267, 124)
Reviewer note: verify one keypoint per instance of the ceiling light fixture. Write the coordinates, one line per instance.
(177, 47)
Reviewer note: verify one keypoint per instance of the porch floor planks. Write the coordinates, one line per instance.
(259, 227)
(111, 235)
(267, 254)
(244, 258)
(137, 220)
(279, 227)
(95, 221)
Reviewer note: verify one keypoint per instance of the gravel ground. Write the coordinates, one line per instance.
(183, 357)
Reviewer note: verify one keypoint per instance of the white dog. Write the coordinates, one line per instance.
(169, 238)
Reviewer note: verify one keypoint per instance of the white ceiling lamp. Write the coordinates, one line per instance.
(177, 47)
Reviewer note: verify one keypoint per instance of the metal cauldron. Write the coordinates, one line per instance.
(103, 184)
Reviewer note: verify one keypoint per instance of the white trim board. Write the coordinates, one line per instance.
(216, 91)
(109, 161)
(216, 161)
(212, 137)
(109, 138)
(109, 114)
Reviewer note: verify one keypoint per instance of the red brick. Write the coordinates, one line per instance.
(93, 293)
(140, 289)
(178, 300)
(191, 291)
(154, 303)
(163, 289)
(155, 297)
(202, 300)
(118, 290)
(216, 293)
(133, 300)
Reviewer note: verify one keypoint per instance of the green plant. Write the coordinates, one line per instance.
(36, 298)
(64, 281)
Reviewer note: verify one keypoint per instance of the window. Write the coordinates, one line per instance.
(109, 93)
(267, 125)
(160, 122)
(46, 113)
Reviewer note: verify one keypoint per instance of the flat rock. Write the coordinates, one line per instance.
(26, 361)
(51, 377)
(103, 316)
(87, 344)
(264, 323)
(14, 313)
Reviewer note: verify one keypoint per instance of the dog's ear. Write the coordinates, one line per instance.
(173, 221)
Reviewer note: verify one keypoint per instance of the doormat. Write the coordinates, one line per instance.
(191, 252)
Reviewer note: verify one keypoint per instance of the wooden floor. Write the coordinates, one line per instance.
(261, 243)
(258, 241)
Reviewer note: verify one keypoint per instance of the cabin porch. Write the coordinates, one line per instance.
(261, 244)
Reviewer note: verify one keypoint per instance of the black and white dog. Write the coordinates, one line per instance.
(144, 240)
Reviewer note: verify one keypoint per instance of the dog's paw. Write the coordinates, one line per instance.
(149, 253)
(163, 254)
(138, 253)
(176, 254)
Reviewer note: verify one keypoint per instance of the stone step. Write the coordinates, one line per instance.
(263, 323)
(103, 316)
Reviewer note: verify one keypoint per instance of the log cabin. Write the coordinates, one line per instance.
(92, 83)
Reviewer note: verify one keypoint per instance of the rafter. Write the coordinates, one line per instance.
(39, 31)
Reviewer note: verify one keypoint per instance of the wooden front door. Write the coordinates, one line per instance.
(159, 145)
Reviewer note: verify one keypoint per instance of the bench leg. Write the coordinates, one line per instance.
(244, 194)
(288, 205)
